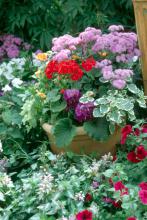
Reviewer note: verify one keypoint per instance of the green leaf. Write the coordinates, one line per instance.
(64, 132)
(104, 109)
(126, 105)
(11, 117)
(97, 113)
(53, 96)
(132, 88)
(100, 101)
(97, 129)
(6, 116)
(57, 106)
(111, 128)
(115, 117)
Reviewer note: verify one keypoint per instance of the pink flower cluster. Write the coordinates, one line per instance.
(118, 77)
(11, 45)
(123, 45)
(143, 192)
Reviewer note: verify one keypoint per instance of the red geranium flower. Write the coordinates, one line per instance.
(114, 158)
(143, 196)
(84, 215)
(143, 185)
(144, 128)
(132, 157)
(125, 132)
(132, 218)
(117, 204)
(111, 181)
(137, 132)
(88, 197)
(88, 64)
(141, 153)
(119, 186)
(62, 91)
(51, 68)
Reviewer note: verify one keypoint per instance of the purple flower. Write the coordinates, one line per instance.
(27, 46)
(13, 51)
(95, 184)
(107, 72)
(62, 55)
(17, 40)
(114, 28)
(1, 93)
(72, 96)
(38, 51)
(122, 74)
(84, 112)
(119, 83)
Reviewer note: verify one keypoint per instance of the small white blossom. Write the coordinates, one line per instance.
(79, 196)
(6, 181)
(6, 88)
(17, 82)
(135, 58)
(107, 157)
(45, 185)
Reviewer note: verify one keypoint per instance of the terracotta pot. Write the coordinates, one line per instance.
(83, 144)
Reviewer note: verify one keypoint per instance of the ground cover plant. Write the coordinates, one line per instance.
(80, 187)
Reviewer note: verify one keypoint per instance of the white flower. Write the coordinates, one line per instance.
(79, 196)
(17, 82)
(135, 58)
(6, 88)
(6, 181)
(46, 184)
(1, 147)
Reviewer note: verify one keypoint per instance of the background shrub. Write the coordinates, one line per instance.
(38, 21)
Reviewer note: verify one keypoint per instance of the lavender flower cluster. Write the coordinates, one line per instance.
(10, 46)
(83, 112)
(118, 42)
(118, 77)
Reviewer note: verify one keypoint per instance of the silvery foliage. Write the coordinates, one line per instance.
(117, 105)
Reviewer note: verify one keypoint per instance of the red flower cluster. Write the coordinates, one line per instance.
(128, 130)
(119, 186)
(143, 192)
(138, 155)
(84, 215)
(88, 64)
(125, 132)
(88, 197)
(132, 218)
(52, 67)
(70, 67)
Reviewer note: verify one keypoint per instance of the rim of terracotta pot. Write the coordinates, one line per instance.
(79, 130)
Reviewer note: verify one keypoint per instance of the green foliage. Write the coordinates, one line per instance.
(97, 129)
(64, 132)
(39, 21)
(119, 12)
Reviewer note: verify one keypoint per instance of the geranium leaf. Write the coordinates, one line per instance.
(64, 132)
(98, 129)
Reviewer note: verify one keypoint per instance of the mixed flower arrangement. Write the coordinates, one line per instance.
(86, 81)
